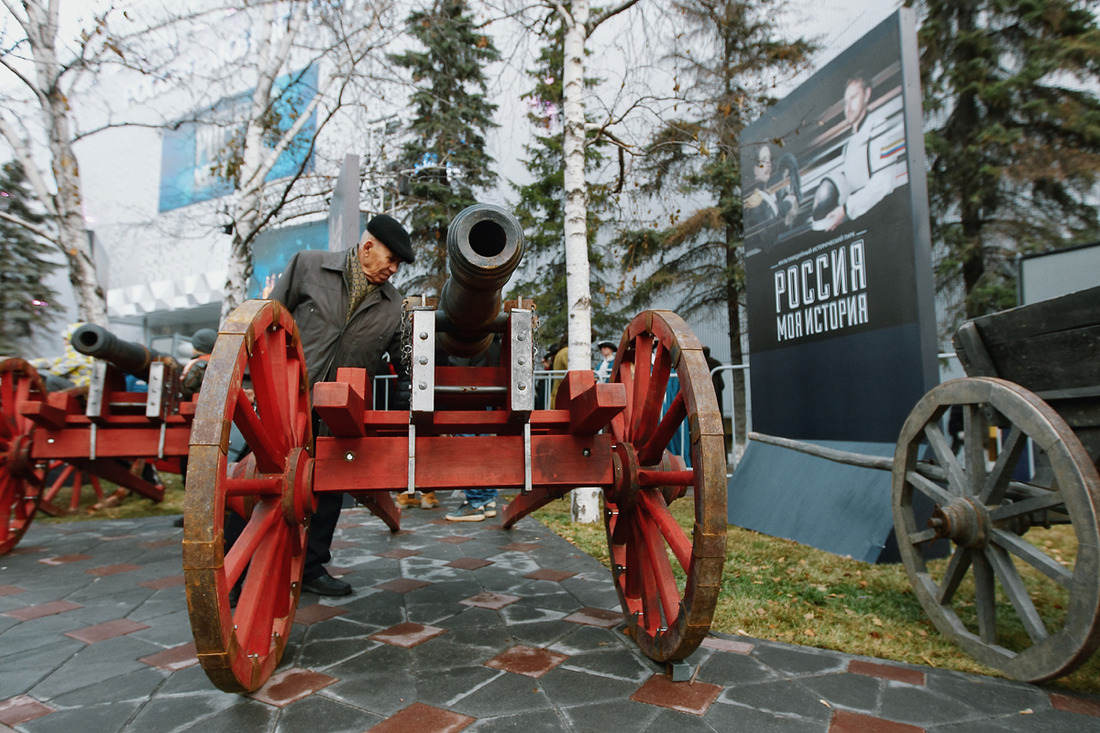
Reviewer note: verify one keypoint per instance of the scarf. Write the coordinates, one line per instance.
(358, 285)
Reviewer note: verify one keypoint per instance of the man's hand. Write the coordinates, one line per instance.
(834, 218)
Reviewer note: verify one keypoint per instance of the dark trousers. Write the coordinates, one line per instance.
(321, 529)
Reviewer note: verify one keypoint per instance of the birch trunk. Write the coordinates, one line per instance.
(585, 506)
(64, 205)
(257, 159)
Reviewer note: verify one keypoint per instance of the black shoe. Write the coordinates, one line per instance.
(326, 585)
(178, 522)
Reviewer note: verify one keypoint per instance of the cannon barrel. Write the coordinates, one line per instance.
(98, 342)
(484, 247)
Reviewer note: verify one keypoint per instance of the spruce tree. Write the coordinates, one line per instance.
(445, 150)
(24, 296)
(541, 206)
(728, 51)
(1013, 135)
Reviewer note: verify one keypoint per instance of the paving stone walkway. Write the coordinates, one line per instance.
(451, 627)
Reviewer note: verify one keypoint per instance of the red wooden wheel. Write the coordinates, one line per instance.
(667, 582)
(20, 479)
(271, 490)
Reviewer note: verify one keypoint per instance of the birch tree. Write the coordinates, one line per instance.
(579, 25)
(286, 37)
(39, 77)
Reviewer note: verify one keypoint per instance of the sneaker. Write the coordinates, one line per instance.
(404, 499)
(428, 500)
(467, 513)
(490, 509)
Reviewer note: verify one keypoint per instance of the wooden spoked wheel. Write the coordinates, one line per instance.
(270, 493)
(1019, 592)
(667, 579)
(20, 478)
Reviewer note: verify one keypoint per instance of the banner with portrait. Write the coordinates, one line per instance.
(837, 251)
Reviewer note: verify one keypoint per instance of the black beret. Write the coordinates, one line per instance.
(202, 340)
(389, 232)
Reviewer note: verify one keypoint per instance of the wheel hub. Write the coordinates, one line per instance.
(298, 496)
(18, 457)
(624, 492)
(964, 521)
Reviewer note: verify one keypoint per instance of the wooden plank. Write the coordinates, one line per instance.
(1047, 346)
(459, 462)
(118, 442)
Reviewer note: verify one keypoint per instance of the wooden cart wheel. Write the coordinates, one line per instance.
(272, 491)
(1022, 602)
(20, 479)
(667, 582)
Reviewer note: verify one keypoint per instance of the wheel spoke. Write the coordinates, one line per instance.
(929, 488)
(1034, 557)
(665, 580)
(651, 604)
(256, 434)
(264, 517)
(919, 538)
(643, 354)
(619, 424)
(673, 533)
(956, 477)
(985, 600)
(269, 486)
(268, 367)
(953, 575)
(1048, 500)
(651, 452)
(256, 607)
(999, 476)
(1017, 593)
(649, 414)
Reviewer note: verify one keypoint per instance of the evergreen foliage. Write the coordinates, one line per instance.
(24, 296)
(541, 205)
(728, 50)
(1014, 146)
(445, 153)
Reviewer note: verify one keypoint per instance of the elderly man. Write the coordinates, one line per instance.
(348, 315)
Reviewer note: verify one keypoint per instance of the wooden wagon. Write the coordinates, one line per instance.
(1007, 457)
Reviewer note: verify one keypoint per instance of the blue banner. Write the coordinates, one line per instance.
(192, 147)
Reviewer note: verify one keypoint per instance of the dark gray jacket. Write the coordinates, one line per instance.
(312, 288)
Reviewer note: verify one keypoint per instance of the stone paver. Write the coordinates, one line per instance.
(449, 628)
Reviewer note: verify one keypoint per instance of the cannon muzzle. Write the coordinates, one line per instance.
(98, 342)
(484, 247)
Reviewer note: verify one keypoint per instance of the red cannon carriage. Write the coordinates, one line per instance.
(99, 432)
(613, 436)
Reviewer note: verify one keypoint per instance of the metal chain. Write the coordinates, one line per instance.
(406, 336)
(536, 357)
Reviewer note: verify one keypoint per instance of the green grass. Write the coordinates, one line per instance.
(780, 590)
